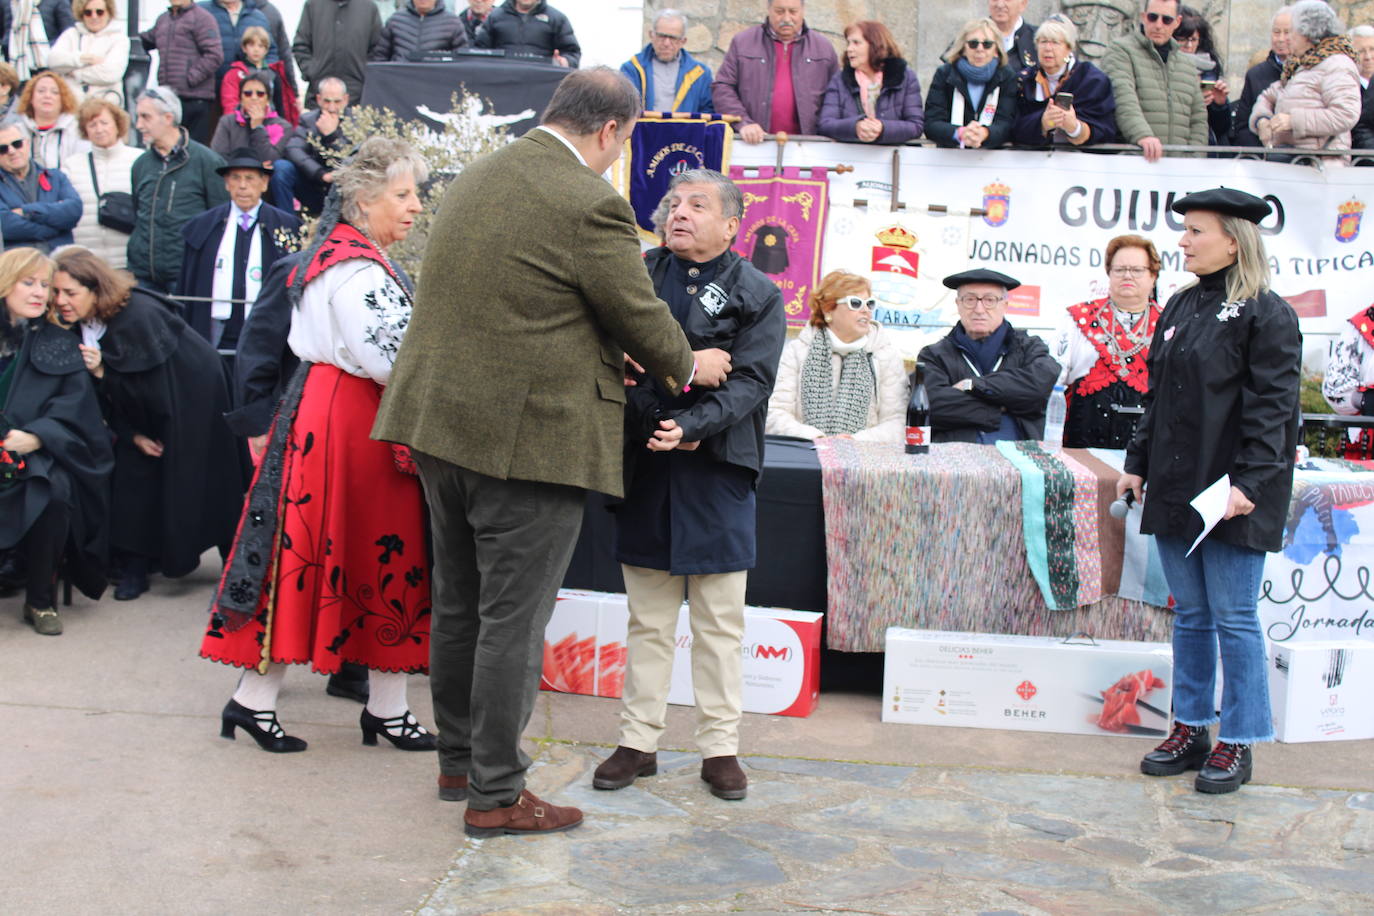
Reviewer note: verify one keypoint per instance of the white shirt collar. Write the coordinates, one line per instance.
(565, 141)
(1009, 40)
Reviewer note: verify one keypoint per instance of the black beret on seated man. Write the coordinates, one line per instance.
(987, 380)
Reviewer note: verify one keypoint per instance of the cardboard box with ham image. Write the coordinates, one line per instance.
(1076, 686)
(1322, 691)
(584, 652)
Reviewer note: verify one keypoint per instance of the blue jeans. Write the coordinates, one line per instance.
(281, 188)
(1215, 592)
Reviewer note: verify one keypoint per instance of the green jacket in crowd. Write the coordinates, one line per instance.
(1154, 97)
(167, 192)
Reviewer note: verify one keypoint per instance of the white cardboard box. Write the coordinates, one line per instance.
(1027, 683)
(1322, 690)
(584, 652)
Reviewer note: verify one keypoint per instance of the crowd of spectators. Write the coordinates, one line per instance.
(1006, 82)
(231, 160)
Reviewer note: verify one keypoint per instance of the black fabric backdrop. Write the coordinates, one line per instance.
(508, 87)
(791, 535)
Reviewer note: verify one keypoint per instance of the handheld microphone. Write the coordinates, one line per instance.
(1122, 505)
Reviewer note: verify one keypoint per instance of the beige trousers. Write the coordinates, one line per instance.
(716, 612)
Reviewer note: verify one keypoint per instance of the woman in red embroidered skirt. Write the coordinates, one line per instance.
(1103, 352)
(330, 563)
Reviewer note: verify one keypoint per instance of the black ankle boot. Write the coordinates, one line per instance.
(263, 726)
(1186, 748)
(1228, 768)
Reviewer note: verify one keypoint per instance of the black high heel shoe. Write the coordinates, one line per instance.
(262, 726)
(413, 736)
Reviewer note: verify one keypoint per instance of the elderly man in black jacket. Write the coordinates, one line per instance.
(319, 143)
(531, 27)
(987, 381)
(686, 527)
(420, 27)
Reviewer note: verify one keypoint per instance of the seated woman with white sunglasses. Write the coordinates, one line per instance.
(841, 376)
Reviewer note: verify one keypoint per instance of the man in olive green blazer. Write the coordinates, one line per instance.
(509, 389)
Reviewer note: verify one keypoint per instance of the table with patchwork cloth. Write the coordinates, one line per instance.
(1012, 538)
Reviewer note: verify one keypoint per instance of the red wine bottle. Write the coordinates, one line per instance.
(918, 415)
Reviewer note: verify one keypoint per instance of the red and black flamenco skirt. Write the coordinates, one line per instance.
(349, 579)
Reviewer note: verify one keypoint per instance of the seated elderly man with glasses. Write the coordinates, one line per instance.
(987, 381)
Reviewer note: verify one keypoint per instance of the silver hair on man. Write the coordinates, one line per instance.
(166, 100)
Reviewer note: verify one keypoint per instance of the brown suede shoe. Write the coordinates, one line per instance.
(725, 776)
(528, 815)
(453, 788)
(623, 767)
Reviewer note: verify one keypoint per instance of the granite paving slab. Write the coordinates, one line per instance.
(842, 837)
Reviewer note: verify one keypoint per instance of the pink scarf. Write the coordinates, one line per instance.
(869, 87)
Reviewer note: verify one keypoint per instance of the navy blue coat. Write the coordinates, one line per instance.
(1093, 102)
(693, 512)
(47, 223)
(202, 236)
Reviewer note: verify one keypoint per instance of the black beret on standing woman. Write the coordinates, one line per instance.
(1224, 365)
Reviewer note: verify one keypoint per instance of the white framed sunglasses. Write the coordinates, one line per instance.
(857, 304)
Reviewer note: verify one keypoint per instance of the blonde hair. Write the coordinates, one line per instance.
(79, 7)
(18, 263)
(258, 34)
(972, 27)
(1250, 276)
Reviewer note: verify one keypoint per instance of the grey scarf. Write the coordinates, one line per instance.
(836, 409)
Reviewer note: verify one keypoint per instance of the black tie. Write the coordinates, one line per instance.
(229, 339)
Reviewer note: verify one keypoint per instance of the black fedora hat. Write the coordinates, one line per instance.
(243, 158)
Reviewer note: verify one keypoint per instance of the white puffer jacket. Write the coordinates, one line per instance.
(93, 81)
(886, 411)
(52, 147)
(113, 167)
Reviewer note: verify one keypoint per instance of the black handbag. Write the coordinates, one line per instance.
(114, 209)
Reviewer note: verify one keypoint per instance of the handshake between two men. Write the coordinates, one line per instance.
(712, 366)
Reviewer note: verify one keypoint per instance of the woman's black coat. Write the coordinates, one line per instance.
(1223, 399)
(163, 380)
(51, 396)
(940, 105)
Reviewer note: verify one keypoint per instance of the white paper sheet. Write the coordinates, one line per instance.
(1211, 504)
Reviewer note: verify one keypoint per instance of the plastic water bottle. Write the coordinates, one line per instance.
(1055, 415)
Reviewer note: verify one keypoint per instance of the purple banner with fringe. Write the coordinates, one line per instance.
(783, 228)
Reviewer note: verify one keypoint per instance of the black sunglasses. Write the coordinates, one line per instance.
(15, 145)
(1160, 17)
(250, 93)
(91, 14)
(987, 43)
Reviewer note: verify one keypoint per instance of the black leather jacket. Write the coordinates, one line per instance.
(752, 326)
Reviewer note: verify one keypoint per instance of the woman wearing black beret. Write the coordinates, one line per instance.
(1223, 400)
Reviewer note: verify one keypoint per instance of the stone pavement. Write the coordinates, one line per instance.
(821, 836)
(118, 796)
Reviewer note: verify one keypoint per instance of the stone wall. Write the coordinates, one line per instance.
(924, 28)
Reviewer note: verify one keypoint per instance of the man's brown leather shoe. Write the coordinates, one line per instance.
(528, 815)
(453, 788)
(726, 777)
(624, 767)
